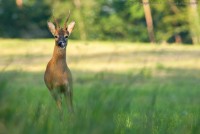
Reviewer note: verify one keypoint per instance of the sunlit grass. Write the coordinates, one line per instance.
(119, 87)
(112, 56)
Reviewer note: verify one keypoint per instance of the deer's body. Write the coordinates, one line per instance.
(57, 72)
(57, 76)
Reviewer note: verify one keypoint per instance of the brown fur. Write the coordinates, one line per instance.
(57, 76)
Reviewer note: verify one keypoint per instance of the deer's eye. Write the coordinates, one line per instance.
(56, 36)
(66, 36)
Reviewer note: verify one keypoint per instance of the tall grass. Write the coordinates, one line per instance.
(119, 89)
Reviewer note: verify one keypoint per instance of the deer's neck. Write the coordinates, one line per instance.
(59, 54)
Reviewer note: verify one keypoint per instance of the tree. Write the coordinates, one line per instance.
(149, 21)
(171, 25)
(194, 21)
(28, 21)
(81, 23)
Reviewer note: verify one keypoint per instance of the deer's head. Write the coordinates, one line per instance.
(61, 34)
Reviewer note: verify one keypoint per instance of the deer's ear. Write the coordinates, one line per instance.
(52, 27)
(71, 27)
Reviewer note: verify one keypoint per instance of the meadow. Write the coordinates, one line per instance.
(119, 87)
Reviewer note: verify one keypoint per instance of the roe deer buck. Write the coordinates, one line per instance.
(57, 76)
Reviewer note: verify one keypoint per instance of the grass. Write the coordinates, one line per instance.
(119, 87)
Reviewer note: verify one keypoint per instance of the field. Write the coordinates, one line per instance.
(119, 87)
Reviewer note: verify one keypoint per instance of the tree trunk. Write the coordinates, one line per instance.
(19, 3)
(194, 21)
(149, 21)
(178, 39)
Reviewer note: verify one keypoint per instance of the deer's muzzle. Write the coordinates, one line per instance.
(62, 44)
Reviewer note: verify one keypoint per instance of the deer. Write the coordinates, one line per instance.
(58, 77)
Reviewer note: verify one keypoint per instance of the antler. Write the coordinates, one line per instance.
(56, 22)
(65, 25)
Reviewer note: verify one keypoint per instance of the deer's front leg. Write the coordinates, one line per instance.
(69, 99)
(57, 97)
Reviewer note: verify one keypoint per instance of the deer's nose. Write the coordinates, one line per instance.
(61, 43)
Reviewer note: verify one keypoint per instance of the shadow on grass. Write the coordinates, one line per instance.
(105, 102)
